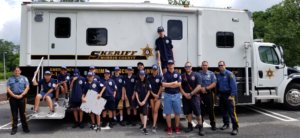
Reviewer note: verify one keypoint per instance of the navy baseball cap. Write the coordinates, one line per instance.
(90, 73)
(47, 72)
(92, 67)
(63, 67)
(160, 29)
(106, 71)
(170, 61)
(129, 68)
(117, 68)
(142, 73)
(140, 63)
(76, 73)
(155, 67)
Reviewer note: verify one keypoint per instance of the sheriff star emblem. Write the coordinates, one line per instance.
(270, 73)
(147, 51)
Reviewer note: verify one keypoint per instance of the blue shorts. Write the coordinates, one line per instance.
(43, 94)
(172, 102)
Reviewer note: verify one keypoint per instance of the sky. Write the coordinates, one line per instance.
(10, 11)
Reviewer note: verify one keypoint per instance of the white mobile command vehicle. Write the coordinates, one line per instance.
(106, 35)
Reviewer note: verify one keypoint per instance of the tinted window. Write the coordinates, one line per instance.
(96, 36)
(268, 55)
(62, 27)
(225, 39)
(175, 29)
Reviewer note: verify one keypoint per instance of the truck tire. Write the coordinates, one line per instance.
(292, 96)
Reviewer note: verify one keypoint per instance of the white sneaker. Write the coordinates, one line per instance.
(51, 114)
(56, 104)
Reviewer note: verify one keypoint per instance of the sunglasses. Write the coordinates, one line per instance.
(221, 65)
(187, 67)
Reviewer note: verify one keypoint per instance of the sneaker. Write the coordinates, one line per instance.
(224, 127)
(81, 125)
(201, 131)
(51, 114)
(177, 130)
(122, 123)
(98, 128)
(234, 132)
(13, 132)
(141, 127)
(154, 129)
(26, 130)
(133, 123)
(189, 128)
(111, 125)
(169, 131)
(145, 131)
(92, 126)
(213, 128)
(56, 104)
(104, 124)
(75, 125)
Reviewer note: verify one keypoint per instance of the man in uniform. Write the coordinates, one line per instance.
(190, 87)
(120, 95)
(227, 90)
(164, 49)
(207, 94)
(62, 83)
(96, 77)
(17, 88)
(172, 82)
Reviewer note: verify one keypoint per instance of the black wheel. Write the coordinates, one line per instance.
(292, 96)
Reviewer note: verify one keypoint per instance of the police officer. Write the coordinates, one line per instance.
(17, 88)
(164, 49)
(227, 89)
(63, 80)
(96, 77)
(190, 87)
(207, 94)
(172, 82)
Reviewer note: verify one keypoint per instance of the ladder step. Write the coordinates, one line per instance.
(265, 97)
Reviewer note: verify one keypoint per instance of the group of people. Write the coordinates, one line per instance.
(136, 94)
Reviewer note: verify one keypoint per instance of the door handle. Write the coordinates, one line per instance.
(260, 74)
(52, 45)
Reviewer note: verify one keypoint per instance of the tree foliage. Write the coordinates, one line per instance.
(11, 56)
(280, 24)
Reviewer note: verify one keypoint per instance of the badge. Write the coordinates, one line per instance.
(94, 85)
(157, 80)
(95, 79)
(132, 80)
(120, 80)
(80, 82)
(49, 84)
(101, 85)
(175, 75)
(53, 85)
(193, 78)
(110, 83)
(167, 41)
(68, 77)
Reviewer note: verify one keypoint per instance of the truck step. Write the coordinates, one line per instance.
(265, 97)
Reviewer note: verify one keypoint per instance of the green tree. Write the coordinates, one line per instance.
(11, 56)
(280, 24)
(185, 3)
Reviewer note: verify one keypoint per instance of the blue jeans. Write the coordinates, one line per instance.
(172, 102)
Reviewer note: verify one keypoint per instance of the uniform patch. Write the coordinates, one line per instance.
(175, 75)
(120, 80)
(110, 83)
(53, 85)
(157, 80)
(101, 85)
(95, 79)
(167, 41)
(132, 80)
(68, 78)
(94, 85)
(80, 82)
(193, 78)
(49, 84)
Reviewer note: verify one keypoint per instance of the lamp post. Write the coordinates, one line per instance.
(4, 69)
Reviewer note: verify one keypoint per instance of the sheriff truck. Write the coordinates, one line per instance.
(106, 35)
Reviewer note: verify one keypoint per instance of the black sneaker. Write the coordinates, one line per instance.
(97, 128)
(122, 123)
(189, 128)
(213, 128)
(224, 127)
(75, 125)
(133, 123)
(104, 124)
(111, 125)
(13, 132)
(26, 130)
(201, 131)
(81, 125)
(92, 126)
(234, 132)
(145, 131)
(154, 129)
(141, 127)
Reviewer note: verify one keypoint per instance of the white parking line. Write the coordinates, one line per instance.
(4, 126)
(272, 114)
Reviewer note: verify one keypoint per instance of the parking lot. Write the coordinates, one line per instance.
(265, 120)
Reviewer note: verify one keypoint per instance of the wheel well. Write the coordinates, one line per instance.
(297, 81)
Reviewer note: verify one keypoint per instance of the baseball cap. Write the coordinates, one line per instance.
(90, 73)
(106, 71)
(140, 63)
(142, 73)
(47, 72)
(76, 73)
(160, 29)
(63, 67)
(170, 61)
(117, 68)
(129, 68)
(92, 67)
(155, 67)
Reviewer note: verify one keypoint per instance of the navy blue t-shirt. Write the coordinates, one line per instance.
(46, 86)
(155, 82)
(63, 77)
(164, 46)
(190, 82)
(120, 84)
(142, 88)
(94, 85)
(171, 77)
(129, 83)
(110, 87)
(77, 89)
